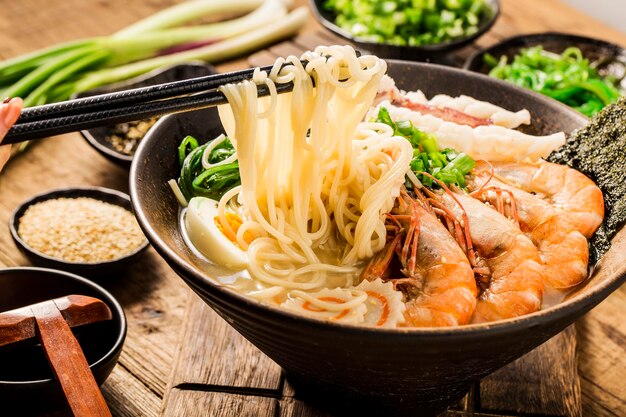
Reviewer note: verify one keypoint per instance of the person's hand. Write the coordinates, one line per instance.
(9, 112)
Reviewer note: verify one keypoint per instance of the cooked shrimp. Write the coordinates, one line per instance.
(492, 143)
(562, 248)
(440, 285)
(9, 112)
(515, 284)
(562, 187)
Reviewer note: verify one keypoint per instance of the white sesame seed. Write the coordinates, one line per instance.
(81, 229)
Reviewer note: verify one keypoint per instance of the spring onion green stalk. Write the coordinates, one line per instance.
(66, 69)
(185, 12)
(448, 165)
(568, 77)
(214, 182)
(61, 71)
(219, 51)
(409, 22)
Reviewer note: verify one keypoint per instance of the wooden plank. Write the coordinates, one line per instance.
(291, 407)
(218, 404)
(286, 48)
(212, 353)
(309, 41)
(261, 59)
(154, 298)
(545, 381)
(125, 395)
(150, 292)
(602, 348)
(128, 396)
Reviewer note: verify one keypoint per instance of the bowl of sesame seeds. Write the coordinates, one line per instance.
(90, 230)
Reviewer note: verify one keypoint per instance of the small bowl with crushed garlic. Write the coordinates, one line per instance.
(90, 231)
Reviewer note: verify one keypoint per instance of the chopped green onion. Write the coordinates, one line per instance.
(568, 77)
(448, 165)
(409, 22)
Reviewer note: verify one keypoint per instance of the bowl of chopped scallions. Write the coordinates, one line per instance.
(407, 29)
(584, 73)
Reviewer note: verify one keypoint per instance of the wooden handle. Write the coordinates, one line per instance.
(15, 327)
(68, 363)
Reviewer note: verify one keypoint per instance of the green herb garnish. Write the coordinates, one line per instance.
(448, 165)
(214, 182)
(568, 77)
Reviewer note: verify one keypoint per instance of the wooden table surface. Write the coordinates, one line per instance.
(156, 301)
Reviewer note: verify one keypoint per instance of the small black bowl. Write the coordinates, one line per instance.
(26, 380)
(436, 52)
(97, 137)
(91, 270)
(611, 57)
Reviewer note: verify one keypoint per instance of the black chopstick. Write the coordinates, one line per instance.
(38, 129)
(136, 95)
(127, 106)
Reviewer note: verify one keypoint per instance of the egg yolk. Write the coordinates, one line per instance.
(234, 221)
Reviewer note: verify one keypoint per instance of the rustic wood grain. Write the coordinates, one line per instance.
(219, 404)
(152, 295)
(545, 381)
(602, 352)
(154, 298)
(291, 407)
(212, 353)
(127, 396)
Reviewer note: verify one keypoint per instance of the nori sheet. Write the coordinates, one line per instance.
(598, 150)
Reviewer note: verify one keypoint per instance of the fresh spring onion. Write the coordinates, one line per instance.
(448, 165)
(409, 22)
(58, 72)
(195, 180)
(568, 77)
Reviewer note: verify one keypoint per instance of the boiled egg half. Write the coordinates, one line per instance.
(201, 221)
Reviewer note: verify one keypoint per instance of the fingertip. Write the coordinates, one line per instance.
(17, 101)
(10, 111)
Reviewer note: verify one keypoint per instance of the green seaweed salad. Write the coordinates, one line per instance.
(567, 77)
(409, 22)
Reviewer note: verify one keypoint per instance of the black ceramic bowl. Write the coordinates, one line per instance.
(435, 52)
(97, 137)
(91, 270)
(26, 381)
(610, 57)
(386, 372)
